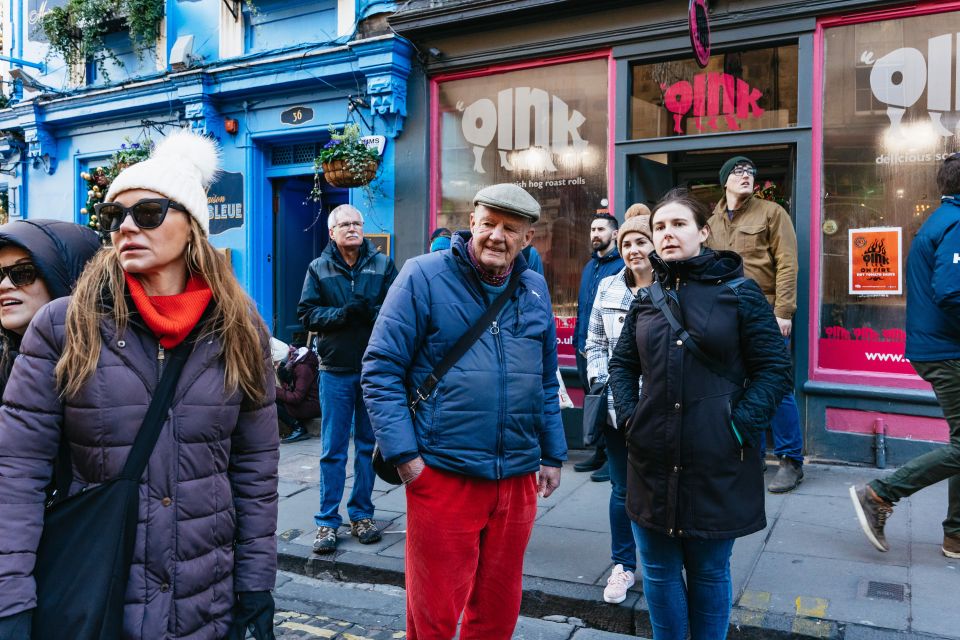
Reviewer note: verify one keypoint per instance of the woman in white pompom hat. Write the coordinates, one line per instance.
(204, 558)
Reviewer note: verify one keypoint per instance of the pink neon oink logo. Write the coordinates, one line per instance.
(712, 95)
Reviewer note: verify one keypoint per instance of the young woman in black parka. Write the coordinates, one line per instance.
(694, 478)
(40, 261)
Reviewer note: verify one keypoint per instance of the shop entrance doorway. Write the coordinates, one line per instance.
(652, 175)
(300, 235)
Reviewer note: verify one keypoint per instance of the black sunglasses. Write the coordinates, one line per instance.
(21, 274)
(148, 213)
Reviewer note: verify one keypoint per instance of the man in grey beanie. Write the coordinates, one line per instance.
(484, 442)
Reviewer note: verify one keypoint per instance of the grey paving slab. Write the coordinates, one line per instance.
(586, 507)
(567, 554)
(836, 513)
(287, 488)
(928, 508)
(846, 542)
(534, 629)
(594, 634)
(828, 588)
(934, 581)
(828, 480)
(345, 542)
(394, 500)
(296, 512)
(746, 551)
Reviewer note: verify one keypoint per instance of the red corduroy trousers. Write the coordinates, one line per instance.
(465, 543)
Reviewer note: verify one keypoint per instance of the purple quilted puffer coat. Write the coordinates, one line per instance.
(208, 499)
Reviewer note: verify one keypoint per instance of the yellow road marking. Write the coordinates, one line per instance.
(811, 607)
(306, 628)
(756, 603)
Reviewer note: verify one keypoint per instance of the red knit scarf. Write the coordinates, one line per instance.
(171, 318)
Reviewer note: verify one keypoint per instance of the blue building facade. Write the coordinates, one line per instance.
(267, 78)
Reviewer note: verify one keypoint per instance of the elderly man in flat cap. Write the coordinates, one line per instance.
(486, 439)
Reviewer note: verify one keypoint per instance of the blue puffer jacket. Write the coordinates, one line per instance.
(496, 412)
(933, 287)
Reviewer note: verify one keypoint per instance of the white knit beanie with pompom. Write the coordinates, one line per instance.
(181, 167)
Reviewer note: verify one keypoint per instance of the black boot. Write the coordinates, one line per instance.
(299, 433)
(594, 462)
(602, 474)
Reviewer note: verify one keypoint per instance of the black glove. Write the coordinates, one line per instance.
(354, 310)
(254, 611)
(17, 627)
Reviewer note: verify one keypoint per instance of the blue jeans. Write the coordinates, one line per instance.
(701, 605)
(623, 549)
(341, 404)
(787, 434)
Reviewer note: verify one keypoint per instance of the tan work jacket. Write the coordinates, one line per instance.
(762, 233)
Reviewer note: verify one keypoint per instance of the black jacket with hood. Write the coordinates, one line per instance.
(688, 474)
(59, 250)
(331, 284)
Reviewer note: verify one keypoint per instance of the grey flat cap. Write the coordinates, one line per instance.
(510, 198)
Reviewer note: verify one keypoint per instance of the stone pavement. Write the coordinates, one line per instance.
(309, 609)
(810, 573)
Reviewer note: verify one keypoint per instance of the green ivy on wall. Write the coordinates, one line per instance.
(76, 31)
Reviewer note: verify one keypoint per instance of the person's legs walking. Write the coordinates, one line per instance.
(446, 513)
(494, 602)
(661, 561)
(623, 549)
(709, 587)
(360, 506)
(932, 467)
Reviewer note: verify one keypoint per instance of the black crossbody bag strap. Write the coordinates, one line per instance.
(464, 343)
(659, 300)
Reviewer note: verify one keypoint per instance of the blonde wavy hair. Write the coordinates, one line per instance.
(100, 293)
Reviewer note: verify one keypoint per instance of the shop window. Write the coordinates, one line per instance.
(546, 129)
(737, 91)
(879, 165)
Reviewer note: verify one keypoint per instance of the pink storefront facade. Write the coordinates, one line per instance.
(846, 110)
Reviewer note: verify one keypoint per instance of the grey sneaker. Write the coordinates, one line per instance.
(326, 541)
(872, 512)
(789, 476)
(365, 531)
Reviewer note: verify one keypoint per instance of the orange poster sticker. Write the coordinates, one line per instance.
(876, 263)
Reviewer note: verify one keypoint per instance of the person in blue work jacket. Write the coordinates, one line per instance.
(933, 348)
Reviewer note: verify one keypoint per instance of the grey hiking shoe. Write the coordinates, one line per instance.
(326, 541)
(789, 476)
(365, 531)
(872, 512)
(951, 546)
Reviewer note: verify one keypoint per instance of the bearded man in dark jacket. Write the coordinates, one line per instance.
(341, 297)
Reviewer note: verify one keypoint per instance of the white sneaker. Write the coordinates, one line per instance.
(617, 584)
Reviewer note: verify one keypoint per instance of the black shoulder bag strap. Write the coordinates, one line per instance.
(149, 431)
(659, 300)
(464, 343)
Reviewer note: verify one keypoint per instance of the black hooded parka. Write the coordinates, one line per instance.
(59, 250)
(688, 474)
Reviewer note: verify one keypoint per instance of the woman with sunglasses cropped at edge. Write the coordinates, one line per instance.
(205, 553)
(40, 261)
(695, 477)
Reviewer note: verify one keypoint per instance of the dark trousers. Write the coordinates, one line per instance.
(942, 463)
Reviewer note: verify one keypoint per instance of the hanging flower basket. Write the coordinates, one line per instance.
(345, 174)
